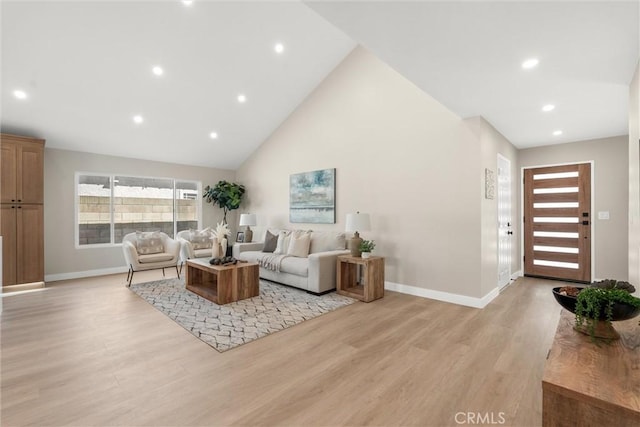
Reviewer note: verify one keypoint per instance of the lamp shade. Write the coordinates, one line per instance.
(248, 219)
(358, 222)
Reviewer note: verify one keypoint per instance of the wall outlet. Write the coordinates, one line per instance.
(603, 215)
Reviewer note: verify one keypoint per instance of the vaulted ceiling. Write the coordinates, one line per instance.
(86, 69)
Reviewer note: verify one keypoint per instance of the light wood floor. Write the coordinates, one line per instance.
(90, 352)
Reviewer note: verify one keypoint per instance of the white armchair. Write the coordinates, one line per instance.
(150, 251)
(194, 244)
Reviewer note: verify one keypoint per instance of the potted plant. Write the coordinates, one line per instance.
(366, 247)
(227, 195)
(596, 306)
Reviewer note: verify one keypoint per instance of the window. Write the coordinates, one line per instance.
(188, 202)
(109, 207)
(94, 209)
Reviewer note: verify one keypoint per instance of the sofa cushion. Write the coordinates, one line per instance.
(299, 245)
(323, 241)
(251, 256)
(270, 242)
(156, 257)
(295, 265)
(149, 242)
(290, 264)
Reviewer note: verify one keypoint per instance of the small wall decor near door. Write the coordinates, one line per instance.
(312, 197)
(557, 222)
(489, 184)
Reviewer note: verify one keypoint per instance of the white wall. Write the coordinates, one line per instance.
(493, 143)
(62, 259)
(610, 194)
(634, 179)
(400, 156)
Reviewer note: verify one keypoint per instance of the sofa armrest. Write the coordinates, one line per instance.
(238, 248)
(322, 270)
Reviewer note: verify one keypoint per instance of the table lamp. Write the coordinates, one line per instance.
(357, 222)
(248, 220)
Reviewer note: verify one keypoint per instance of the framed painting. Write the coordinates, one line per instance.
(312, 197)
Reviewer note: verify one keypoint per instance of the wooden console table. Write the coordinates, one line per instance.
(589, 385)
(368, 287)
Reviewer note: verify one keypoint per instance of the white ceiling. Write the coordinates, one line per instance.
(468, 56)
(86, 67)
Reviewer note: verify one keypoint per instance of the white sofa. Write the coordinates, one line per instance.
(315, 273)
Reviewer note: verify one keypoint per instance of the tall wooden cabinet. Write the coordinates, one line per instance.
(22, 209)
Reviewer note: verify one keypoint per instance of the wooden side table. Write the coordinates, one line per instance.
(366, 287)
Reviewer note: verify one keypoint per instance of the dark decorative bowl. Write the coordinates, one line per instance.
(620, 311)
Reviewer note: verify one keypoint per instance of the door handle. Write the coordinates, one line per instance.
(509, 232)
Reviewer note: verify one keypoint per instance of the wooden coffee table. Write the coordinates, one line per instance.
(222, 285)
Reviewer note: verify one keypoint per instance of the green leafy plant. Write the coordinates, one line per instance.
(226, 195)
(593, 301)
(367, 246)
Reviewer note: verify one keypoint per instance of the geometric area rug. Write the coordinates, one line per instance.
(224, 327)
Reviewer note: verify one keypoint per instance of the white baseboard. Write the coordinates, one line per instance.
(513, 278)
(443, 296)
(81, 274)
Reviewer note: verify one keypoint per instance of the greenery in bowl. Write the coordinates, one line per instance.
(596, 303)
(367, 246)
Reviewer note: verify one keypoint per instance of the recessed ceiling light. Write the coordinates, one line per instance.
(157, 70)
(20, 94)
(279, 48)
(213, 135)
(138, 119)
(548, 107)
(242, 98)
(187, 2)
(530, 63)
(557, 132)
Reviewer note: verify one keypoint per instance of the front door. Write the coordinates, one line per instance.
(557, 222)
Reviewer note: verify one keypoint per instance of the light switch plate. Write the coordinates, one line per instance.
(603, 215)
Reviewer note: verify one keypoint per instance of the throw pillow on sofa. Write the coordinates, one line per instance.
(283, 242)
(270, 242)
(299, 245)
